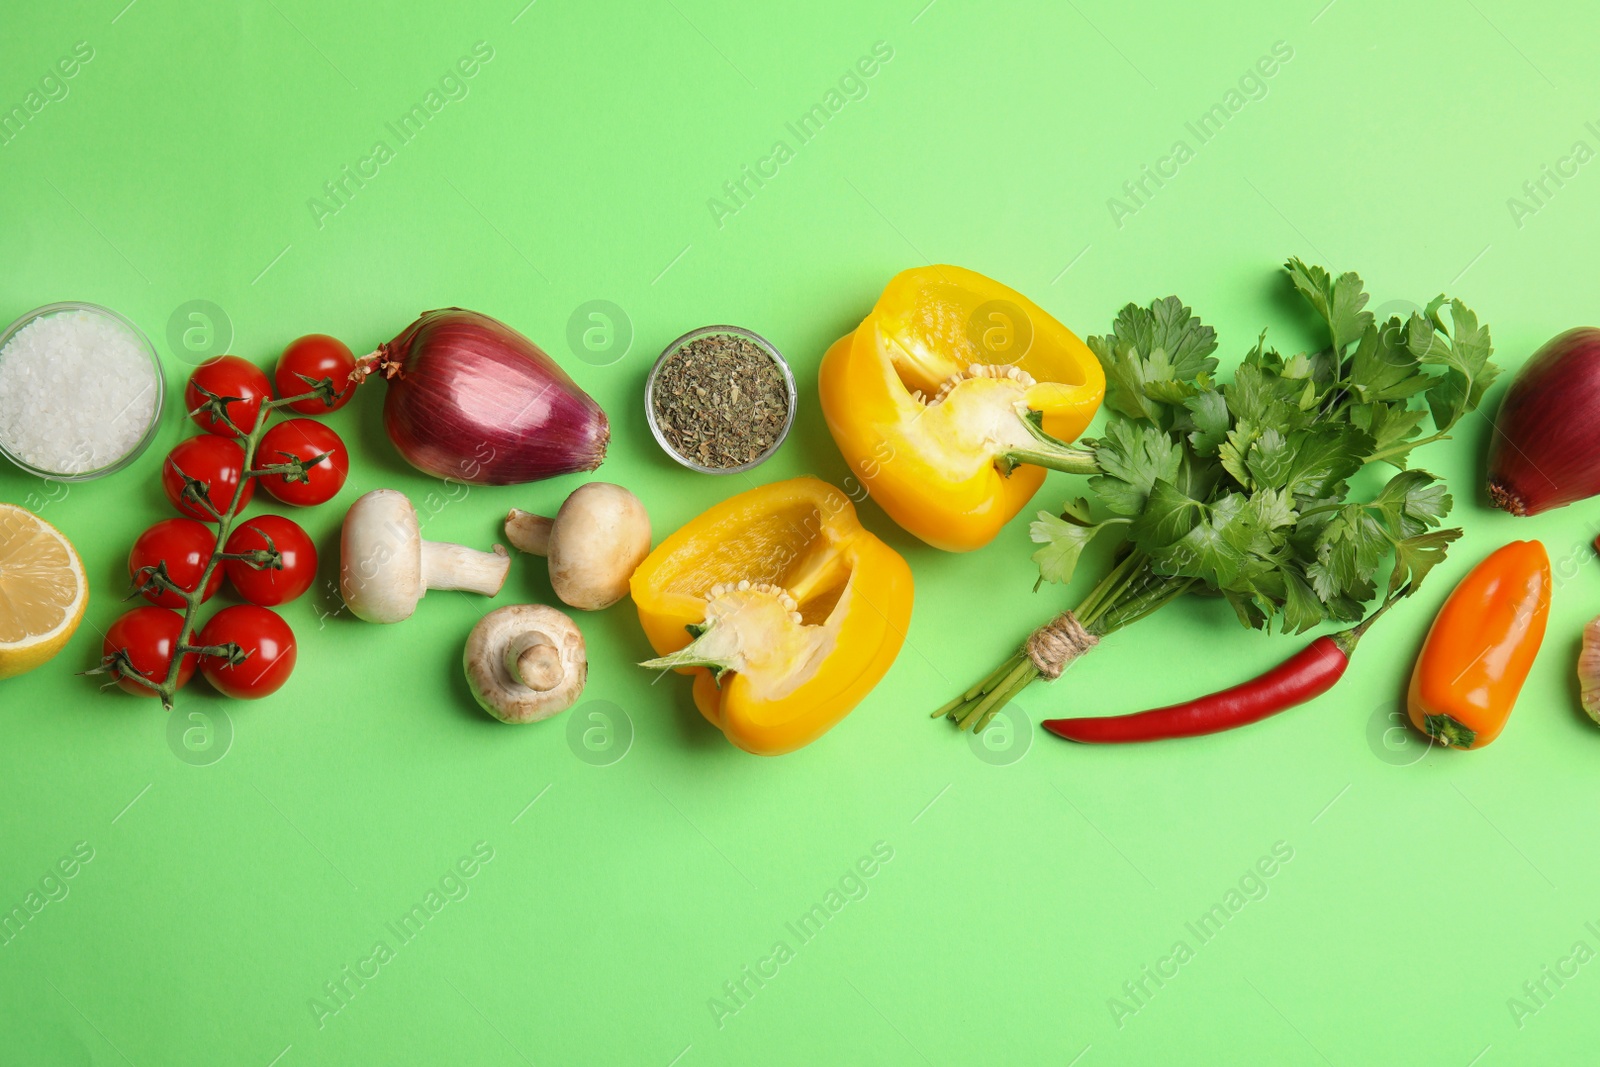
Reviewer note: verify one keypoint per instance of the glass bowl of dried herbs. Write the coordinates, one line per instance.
(720, 400)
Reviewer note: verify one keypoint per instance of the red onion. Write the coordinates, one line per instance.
(1546, 448)
(472, 400)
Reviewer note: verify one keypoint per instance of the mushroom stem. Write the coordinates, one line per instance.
(528, 532)
(525, 662)
(449, 566)
(531, 658)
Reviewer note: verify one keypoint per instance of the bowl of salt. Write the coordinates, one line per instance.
(81, 391)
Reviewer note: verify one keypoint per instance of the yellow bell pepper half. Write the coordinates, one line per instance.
(785, 609)
(929, 401)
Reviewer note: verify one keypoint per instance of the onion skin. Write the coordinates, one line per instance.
(1546, 448)
(472, 400)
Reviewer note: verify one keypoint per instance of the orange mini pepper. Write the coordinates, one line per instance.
(950, 399)
(782, 605)
(1481, 647)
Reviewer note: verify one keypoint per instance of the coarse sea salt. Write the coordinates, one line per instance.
(77, 392)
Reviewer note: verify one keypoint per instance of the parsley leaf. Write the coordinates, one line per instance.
(1154, 357)
(1301, 608)
(1134, 456)
(1465, 352)
(1168, 516)
(1064, 541)
(1170, 327)
(1415, 556)
(1324, 457)
(1242, 489)
(1271, 460)
(1208, 415)
(1413, 502)
(1390, 426)
(1383, 367)
(1340, 301)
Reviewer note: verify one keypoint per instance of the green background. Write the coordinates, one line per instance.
(1028, 881)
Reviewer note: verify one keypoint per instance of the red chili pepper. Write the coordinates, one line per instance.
(1303, 676)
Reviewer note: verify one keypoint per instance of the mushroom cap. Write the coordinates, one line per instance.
(380, 557)
(501, 693)
(599, 537)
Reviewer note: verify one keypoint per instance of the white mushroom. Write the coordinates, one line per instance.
(525, 662)
(385, 566)
(597, 539)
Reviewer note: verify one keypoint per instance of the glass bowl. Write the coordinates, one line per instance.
(155, 415)
(790, 394)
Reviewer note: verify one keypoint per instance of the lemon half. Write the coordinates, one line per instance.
(42, 590)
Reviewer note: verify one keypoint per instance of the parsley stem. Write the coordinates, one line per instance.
(1156, 592)
(988, 682)
(1111, 586)
(1023, 679)
(1406, 446)
(1022, 672)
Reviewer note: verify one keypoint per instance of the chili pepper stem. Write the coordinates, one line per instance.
(1347, 639)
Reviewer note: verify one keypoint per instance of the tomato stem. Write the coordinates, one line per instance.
(117, 663)
(295, 469)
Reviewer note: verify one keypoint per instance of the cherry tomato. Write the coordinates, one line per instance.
(297, 560)
(228, 376)
(148, 637)
(317, 356)
(185, 546)
(268, 644)
(215, 461)
(304, 439)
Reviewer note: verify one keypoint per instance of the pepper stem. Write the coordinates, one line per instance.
(1346, 639)
(700, 652)
(1047, 451)
(1448, 731)
(687, 656)
(697, 653)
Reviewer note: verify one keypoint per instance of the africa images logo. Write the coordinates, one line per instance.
(737, 192)
(453, 85)
(853, 885)
(1252, 85)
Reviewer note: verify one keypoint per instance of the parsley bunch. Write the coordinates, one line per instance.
(1243, 489)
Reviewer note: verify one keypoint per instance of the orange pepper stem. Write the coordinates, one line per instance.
(1449, 732)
